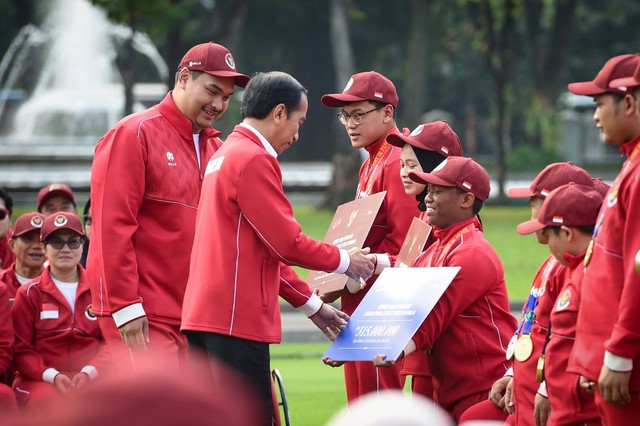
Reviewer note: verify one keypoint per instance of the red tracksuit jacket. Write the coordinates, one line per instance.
(610, 319)
(6, 330)
(396, 213)
(246, 230)
(570, 404)
(8, 276)
(525, 385)
(145, 188)
(48, 335)
(469, 328)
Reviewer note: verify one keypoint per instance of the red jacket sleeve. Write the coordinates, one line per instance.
(6, 329)
(293, 289)
(27, 360)
(117, 189)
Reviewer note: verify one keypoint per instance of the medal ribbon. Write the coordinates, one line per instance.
(370, 170)
(528, 314)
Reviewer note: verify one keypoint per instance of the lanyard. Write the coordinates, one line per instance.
(528, 313)
(370, 170)
(447, 248)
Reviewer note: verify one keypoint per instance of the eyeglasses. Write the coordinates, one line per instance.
(59, 243)
(355, 116)
(87, 219)
(3, 213)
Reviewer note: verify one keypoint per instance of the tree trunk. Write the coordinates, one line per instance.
(346, 161)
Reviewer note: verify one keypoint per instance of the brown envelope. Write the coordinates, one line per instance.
(414, 242)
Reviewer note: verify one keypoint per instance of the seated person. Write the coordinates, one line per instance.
(56, 197)
(58, 344)
(25, 244)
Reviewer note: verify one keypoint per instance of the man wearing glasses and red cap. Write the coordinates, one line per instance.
(145, 187)
(607, 348)
(368, 106)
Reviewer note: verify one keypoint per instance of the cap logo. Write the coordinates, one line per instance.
(53, 187)
(444, 149)
(377, 95)
(89, 313)
(230, 62)
(60, 220)
(348, 86)
(557, 219)
(544, 192)
(417, 130)
(467, 185)
(622, 88)
(36, 222)
(440, 166)
(194, 63)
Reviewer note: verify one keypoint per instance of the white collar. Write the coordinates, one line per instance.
(264, 140)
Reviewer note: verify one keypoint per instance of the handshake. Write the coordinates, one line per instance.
(361, 266)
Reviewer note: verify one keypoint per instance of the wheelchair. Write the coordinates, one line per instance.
(280, 405)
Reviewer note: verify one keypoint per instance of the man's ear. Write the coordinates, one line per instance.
(467, 200)
(183, 76)
(279, 113)
(569, 232)
(630, 104)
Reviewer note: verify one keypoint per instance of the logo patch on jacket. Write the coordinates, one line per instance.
(171, 159)
(89, 312)
(49, 311)
(214, 165)
(564, 300)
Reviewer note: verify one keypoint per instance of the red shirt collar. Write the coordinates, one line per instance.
(627, 147)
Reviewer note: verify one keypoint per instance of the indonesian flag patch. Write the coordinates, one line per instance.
(467, 185)
(49, 311)
(557, 219)
(377, 95)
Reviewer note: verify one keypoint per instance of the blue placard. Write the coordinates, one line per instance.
(390, 313)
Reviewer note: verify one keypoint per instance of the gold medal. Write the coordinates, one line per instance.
(524, 348)
(511, 347)
(540, 369)
(589, 253)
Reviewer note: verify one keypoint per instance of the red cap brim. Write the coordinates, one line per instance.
(624, 82)
(586, 88)
(338, 99)
(240, 80)
(520, 193)
(529, 227)
(427, 178)
(398, 140)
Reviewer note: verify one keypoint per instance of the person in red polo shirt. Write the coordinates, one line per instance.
(145, 187)
(58, 345)
(515, 392)
(606, 350)
(368, 107)
(25, 244)
(566, 219)
(467, 331)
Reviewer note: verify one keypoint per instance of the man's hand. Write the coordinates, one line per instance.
(331, 296)
(541, 410)
(135, 334)
(360, 265)
(614, 386)
(498, 390)
(62, 383)
(587, 384)
(381, 361)
(80, 380)
(508, 399)
(331, 363)
(330, 320)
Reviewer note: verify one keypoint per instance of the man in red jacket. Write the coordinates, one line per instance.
(567, 218)
(607, 347)
(467, 331)
(145, 185)
(246, 233)
(368, 106)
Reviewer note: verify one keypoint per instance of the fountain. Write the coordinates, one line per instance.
(48, 132)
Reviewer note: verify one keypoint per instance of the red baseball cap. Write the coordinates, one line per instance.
(627, 82)
(55, 189)
(213, 59)
(601, 186)
(364, 86)
(58, 221)
(551, 177)
(618, 67)
(568, 205)
(436, 136)
(27, 222)
(460, 172)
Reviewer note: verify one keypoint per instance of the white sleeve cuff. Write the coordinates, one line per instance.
(509, 372)
(312, 306)
(542, 389)
(128, 314)
(382, 261)
(49, 374)
(345, 261)
(91, 371)
(617, 363)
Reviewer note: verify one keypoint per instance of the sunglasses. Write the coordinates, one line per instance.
(3, 213)
(58, 243)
